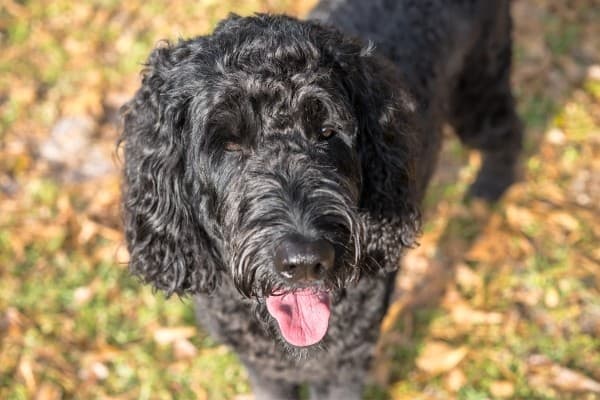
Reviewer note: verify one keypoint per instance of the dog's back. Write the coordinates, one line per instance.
(402, 29)
(455, 58)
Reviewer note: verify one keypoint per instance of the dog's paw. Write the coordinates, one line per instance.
(490, 187)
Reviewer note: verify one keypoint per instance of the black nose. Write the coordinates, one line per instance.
(303, 259)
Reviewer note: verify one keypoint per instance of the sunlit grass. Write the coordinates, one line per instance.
(75, 324)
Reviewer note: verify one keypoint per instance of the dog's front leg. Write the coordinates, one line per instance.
(265, 388)
(337, 391)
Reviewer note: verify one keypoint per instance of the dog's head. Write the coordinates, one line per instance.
(276, 152)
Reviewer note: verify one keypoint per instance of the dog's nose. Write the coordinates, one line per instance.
(303, 259)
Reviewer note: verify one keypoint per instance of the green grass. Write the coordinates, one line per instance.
(75, 324)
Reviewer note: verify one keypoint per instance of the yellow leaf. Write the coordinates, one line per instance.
(502, 389)
(464, 314)
(519, 217)
(438, 357)
(565, 221)
(455, 380)
(551, 298)
(467, 279)
(573, 381)
(48, 391)
(170, 335)
(183, 348)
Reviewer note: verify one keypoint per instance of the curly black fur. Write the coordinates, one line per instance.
(224, 157)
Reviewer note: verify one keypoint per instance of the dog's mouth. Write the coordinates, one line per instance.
(302, 315)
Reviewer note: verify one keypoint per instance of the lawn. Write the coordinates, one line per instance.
(497, 302)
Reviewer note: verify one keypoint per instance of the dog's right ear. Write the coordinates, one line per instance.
(387, 144)
(169, 248)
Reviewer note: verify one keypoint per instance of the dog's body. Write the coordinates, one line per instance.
(276, 140)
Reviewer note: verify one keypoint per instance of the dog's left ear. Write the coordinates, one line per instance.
(169, 246)
(388, 145)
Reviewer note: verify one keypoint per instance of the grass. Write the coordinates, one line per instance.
(520, 298)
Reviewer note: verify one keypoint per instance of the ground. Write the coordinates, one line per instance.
(497, 302)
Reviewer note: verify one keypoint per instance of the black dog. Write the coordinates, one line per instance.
(274, 169)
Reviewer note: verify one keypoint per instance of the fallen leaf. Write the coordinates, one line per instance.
(11, 322)
(519, 218)
(100, 370)
(48, 391)
(527, 295)
(26, 371)
(82, 295)
(573, 381)
(464, 314)
(551, 298)
(170, 335)
(543, 371)
(95, 371)
(556, 137)
(183, 349)
(438, 357)
(467, 279)
(593, 72)
(394, 311)
(454, 380)
(565, 221)
(502, 389)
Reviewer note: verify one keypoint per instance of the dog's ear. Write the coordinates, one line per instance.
(387, 144)
(169, 248)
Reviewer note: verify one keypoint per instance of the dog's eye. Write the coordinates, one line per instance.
(327, 133)
(233, 146)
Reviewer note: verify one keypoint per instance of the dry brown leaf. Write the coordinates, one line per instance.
(11, 322)
(565, 221)
(543, 371)
(25, 370)
(438, 357)
(394, 311)
(100, 371)
(502, 389)
(549, 191)
(48, 391)
(82, 295)
(593, 72)
(519, 218)
(172, 334)
(573, 381)
(244, 397)
(523, 246)
(467, 279)
(454, 380)
(527, 295)
(95, 371)
(183, 349)
(551, 298)
(88, 230)
(464, 314)
(556, 136)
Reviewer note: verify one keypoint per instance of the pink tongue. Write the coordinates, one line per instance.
(303, 316)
